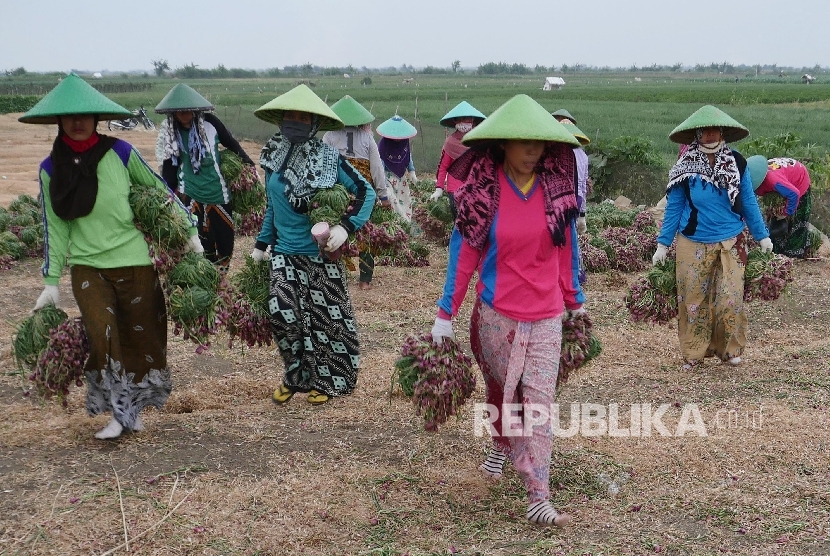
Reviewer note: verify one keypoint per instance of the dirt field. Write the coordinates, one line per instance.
(222, 470)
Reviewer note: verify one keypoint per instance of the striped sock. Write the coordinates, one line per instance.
(494, 463)
(542, 513)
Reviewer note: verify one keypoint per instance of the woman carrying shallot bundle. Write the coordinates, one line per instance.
(516, 227)
(310, 309)
(710, 201)
(88, 221)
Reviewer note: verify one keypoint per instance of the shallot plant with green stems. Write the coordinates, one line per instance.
(32, 335)
(247, 317)
(61, 363)
(439, 376)
(766, 275)
(653, 297)
(579, 345)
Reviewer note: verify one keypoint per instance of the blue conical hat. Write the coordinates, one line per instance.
(520, 118)
(758, 168)
(462, 110)
(73, 95)
(396, 128)
(302, 99)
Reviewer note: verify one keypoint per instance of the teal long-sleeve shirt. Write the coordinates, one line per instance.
(289, 232)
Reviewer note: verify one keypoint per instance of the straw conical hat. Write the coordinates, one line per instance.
(351, 112)
(758, 168)
(182, 98)
(462, 110)
(708, 116)
(521, 118)
(302, 99)
(396, 128)
(562, 113)
(576, 132)
(73, 95)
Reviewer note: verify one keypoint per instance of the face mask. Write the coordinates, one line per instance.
(710, 148)
(296, 132)
(463, 127)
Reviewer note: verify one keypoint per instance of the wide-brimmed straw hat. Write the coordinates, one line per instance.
(708, 116)
(758, 168)
(520, 118)
(562, 113)
(73, 95)
(302, 99)
(183, 98)
(396, 128)
(351, 112)
(462, 110)
(576, 132)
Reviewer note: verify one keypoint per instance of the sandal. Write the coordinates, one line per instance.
(317, 398)
(282, 394)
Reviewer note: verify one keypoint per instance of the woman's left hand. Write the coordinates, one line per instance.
(194, 244)
(337, 237)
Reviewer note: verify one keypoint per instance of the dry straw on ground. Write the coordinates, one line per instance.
(222, 470)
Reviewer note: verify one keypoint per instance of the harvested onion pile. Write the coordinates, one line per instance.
(439, 377)
(247, 192)
(247, 317)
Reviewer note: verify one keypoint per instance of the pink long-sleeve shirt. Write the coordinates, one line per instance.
(443, 179)
(521, 273)
(787, 177)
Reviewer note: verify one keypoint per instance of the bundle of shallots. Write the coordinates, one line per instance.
(653, 298)
(579, 345)
(766, 275)
(439, 377)
(61, 363)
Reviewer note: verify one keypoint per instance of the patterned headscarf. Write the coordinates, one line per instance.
(478, 198)
(306, 167)
(724, 174)
(395, 155)
(196, 142)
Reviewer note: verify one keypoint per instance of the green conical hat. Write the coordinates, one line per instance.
(758, 168)
(708, 116)
(303, 99)
(351, 112)
(73, 95)
(576, 132)
(521, 118)
(562, 113)
(396, 128)
(462, 110)
(183, 98)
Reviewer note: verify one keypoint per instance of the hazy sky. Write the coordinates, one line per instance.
(96, 35)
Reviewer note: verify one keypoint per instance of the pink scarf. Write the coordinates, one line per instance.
(478, 198)
(453, 146)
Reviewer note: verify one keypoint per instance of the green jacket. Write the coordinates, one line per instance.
(107, 236)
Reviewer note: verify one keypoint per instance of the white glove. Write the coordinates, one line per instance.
(259, 255)
(49, 295)
(581, 225)
(766, 245)
(413, 177)
(660, 254)
(337, 237)
(194, 244)
(572, 313)
(436, 194)
(442, 329)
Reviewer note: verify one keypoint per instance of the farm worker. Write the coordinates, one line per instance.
(709, 201)
(311, 313)
(357, 143)
(463, 118)
(190, 139)
(583, 180)
(84, 190)
(789, 227)
(516, 227)
(396, 156)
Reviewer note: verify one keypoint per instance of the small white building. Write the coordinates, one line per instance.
(97, 75)
(553, 84)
